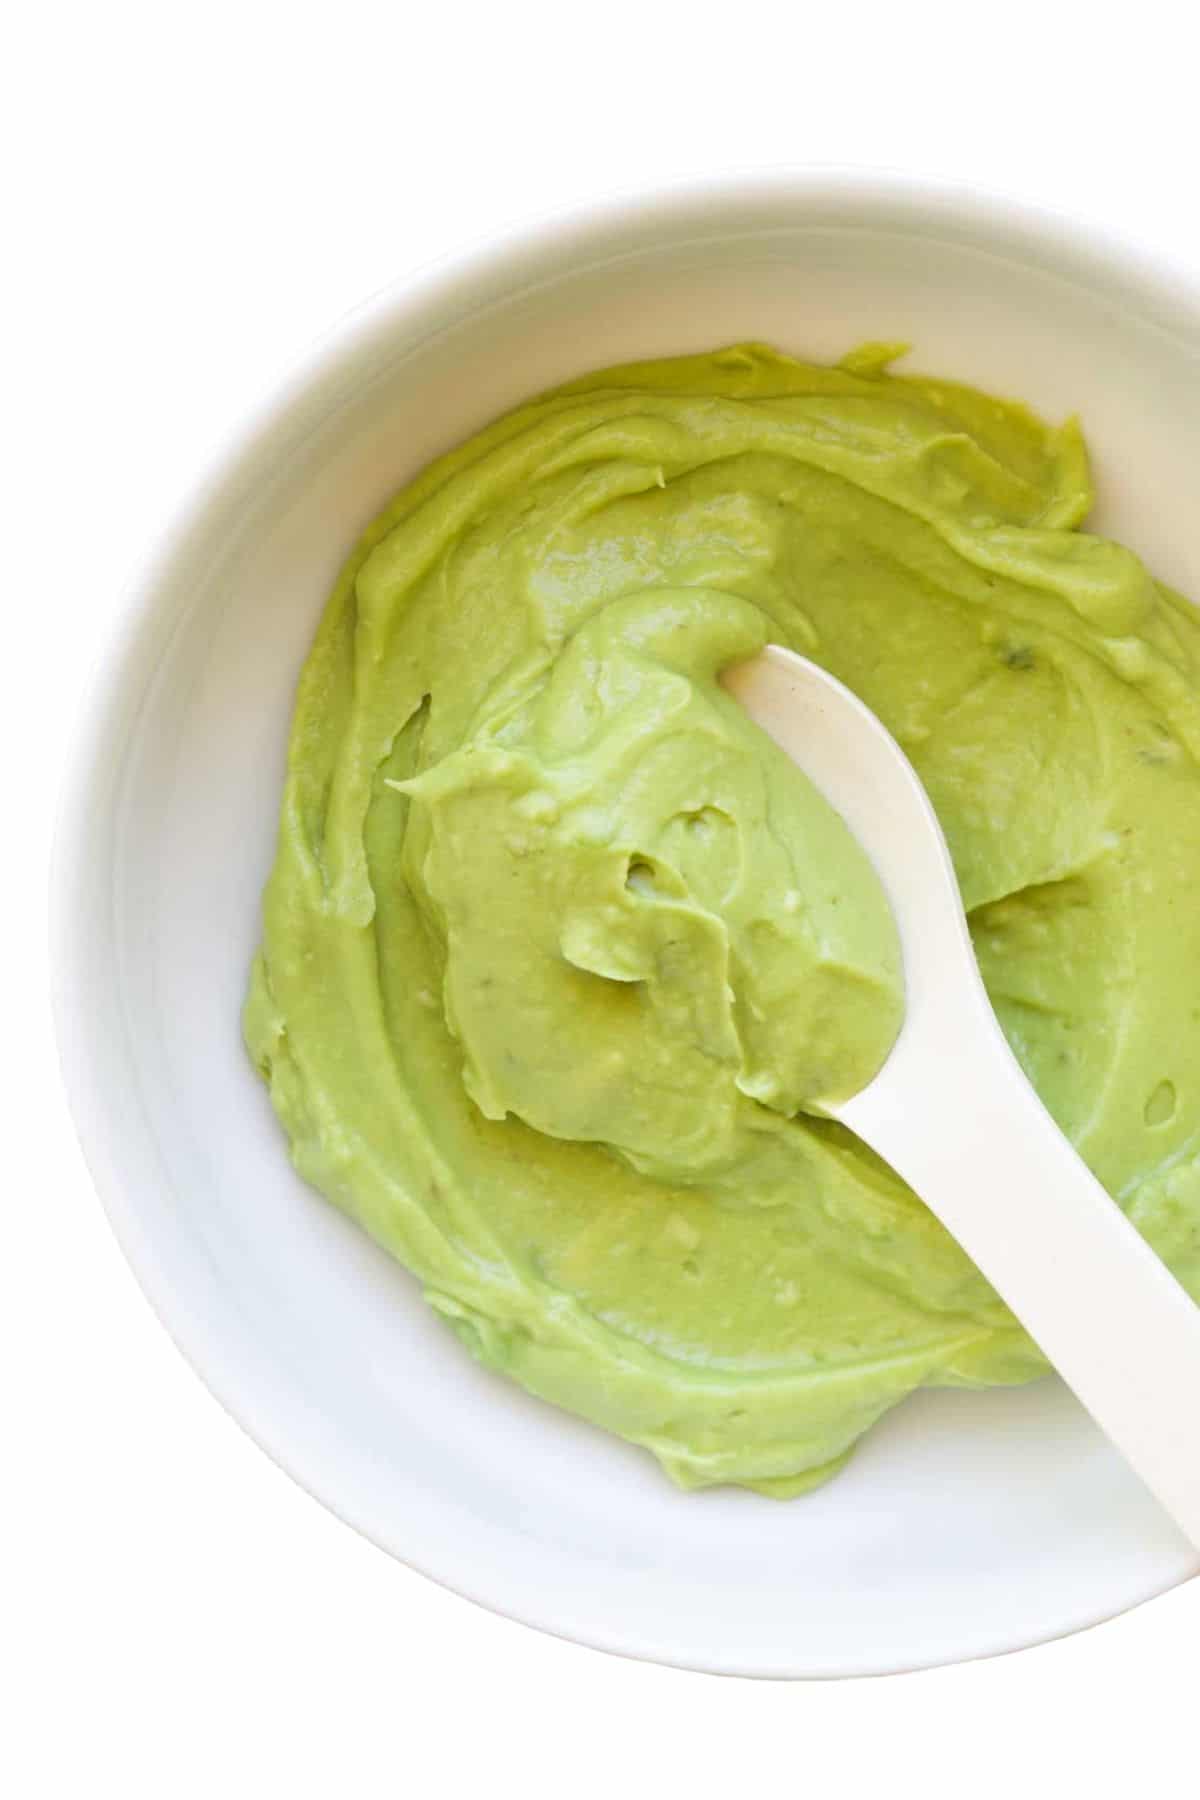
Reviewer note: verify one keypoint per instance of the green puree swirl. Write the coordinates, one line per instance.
(561, 958)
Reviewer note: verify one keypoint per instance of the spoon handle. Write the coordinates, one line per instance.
(996, 1170)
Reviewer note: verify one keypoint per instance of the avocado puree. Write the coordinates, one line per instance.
(561, 957)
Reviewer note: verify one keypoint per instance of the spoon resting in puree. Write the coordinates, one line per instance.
(561, 957)
(951, 1111)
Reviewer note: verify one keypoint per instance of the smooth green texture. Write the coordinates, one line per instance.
(561, 957)
(653, 926)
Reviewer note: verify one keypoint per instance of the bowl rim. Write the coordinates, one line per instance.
(1068, 244)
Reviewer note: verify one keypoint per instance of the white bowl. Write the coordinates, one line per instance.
(967, 1523)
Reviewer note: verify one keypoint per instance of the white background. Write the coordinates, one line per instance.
(196, 190)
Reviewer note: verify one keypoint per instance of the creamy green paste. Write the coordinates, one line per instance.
(562, 958)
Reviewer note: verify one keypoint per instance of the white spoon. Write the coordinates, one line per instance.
(955, 1116)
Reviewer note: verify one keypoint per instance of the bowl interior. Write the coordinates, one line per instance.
(966, 1523)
